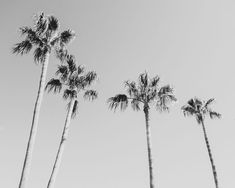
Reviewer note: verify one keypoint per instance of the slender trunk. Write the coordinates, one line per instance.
(61, 147)
(210, 156)
(33, 131)
(150, 159)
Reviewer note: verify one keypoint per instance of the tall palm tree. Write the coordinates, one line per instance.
(43, 37)
(200, 109)
(146, 92)
(74, 80)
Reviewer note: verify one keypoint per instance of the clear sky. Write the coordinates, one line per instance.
(189, 44)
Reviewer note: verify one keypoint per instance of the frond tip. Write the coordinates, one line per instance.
(90, 94)
(54, 85)
(119, 100)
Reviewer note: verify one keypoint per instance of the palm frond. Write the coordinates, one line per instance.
(53, 23)
(143, 80)
(67, 36)
(31, 35)
(22, 48)
(131, 88)
(154, 81)
(119, 100)
(135, 104)
(188, 110)
(90, 94)
(61, 53)
(89, 78)
(71, 63)
(63, 72)
(209, 102)
(214, 114)
(165, 96)
(54, 85)
(68, 93)
(41, 24)
(80, 69)
(40, 54)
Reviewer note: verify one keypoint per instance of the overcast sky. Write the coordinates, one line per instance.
(189, 44)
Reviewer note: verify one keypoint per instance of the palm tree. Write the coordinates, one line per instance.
(75, 80)
(199, 109)
(146, 92)
(43, 37)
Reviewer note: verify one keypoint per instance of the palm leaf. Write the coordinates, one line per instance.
(213, 115)
(154, 81)
(135, 104)
(63, 72)
(68, 93)
(71, 63)
(41, 24)
(119, 100)
(23, 47)
(90, 94)
(67, 36)
(40, 54)
(54, 85)
(53, 24)
(131, 88)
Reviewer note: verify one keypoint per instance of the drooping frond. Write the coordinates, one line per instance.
(188, 110)
(119, 100)
(67, 36)
(90, 94)
(68, 93)
(165, 96)
(135, 104)
(23, 47)
(40, 54)
(213, 115)
(198, 104)
(54, 85)
(89, 78)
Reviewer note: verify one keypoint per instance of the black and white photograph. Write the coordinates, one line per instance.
(117, 94)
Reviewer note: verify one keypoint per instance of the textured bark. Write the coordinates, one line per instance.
(210, 156)
(33, 131)
(64, 137)
(150, 159)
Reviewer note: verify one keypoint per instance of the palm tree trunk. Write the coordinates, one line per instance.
(210, 156)
(33, 131)
(150, 159)
(61, 147)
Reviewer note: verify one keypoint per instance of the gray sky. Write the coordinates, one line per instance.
(189, 44)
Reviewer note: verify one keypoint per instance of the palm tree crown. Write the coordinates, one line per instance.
(44, 36)
(75, 80)
(199, 109)
(146, 91)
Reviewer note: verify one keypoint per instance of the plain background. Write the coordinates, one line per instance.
(189, 44)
